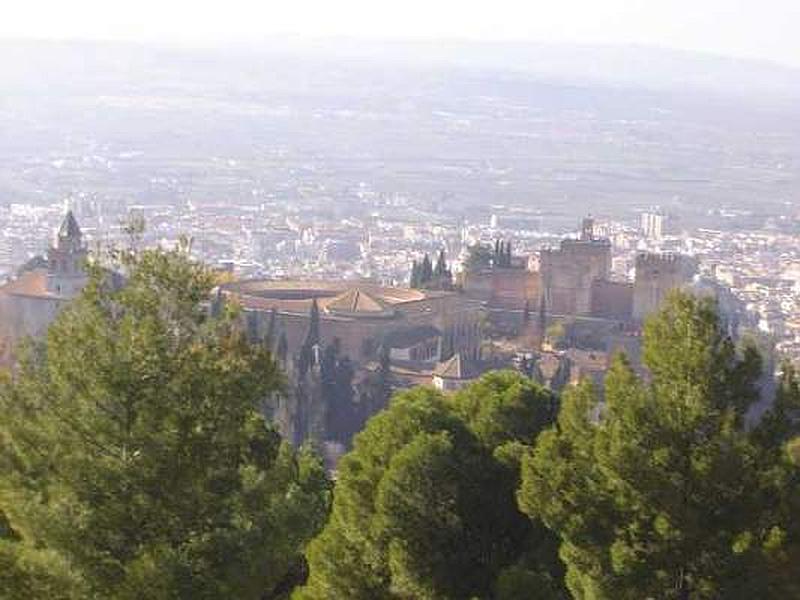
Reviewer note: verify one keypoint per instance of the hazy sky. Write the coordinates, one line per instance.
(751, 28)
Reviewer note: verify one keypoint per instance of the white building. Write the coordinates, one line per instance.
(652, 225)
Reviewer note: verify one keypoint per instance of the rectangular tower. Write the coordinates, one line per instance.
(656, 276)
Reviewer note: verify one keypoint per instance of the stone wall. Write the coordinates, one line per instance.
(656, 276)
(569, 272)
(504, 288)
(612, 299)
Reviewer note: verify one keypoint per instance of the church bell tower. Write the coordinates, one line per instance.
(66, 260)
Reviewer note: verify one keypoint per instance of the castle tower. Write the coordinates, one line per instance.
(568, 273)
(656, 276)
(66, 260)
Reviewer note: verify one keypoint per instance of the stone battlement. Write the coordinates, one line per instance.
(664, 258)
(649, 264)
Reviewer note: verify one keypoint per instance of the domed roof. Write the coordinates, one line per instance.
(357, 302)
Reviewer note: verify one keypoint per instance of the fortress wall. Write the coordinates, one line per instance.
(656, 276)
(504, 288)
(612, 299)
(569, 273)
(451, 313)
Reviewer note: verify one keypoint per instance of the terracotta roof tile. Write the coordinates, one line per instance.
(30, 283)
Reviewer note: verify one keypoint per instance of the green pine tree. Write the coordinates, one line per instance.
(411, 517)
(134, 459)
(661, 491)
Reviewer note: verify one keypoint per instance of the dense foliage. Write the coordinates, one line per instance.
(134, 462)
(425, 502)
(483, 257)
(662, 491)
(426, 276)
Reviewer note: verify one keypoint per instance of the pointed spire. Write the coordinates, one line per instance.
(69, 229)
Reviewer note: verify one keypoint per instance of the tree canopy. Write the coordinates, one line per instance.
(661, 491)
(134, 460)
(135, 463)
(424, 504)
(426, 276)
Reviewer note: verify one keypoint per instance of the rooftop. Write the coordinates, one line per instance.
(30, 283)
(334, 298)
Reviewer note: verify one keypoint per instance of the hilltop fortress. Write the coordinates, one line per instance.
(365, 334)
(575, 280)
(413, 325)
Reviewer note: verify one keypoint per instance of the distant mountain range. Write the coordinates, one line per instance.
(631, 66)
(640, 66)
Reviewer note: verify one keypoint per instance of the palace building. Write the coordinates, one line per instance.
(415, 326)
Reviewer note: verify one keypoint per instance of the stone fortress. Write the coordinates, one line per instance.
(656, 275)
(415, 326)
(569, 275)
(372, 337)
(575, 280)
(321, 330)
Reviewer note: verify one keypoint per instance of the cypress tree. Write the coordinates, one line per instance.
(313, 336)
(441, 265)
(282, 350)
(414, 281)
(270, 335)
(542, 317)
(427, 271)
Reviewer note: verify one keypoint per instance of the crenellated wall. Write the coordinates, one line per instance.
(568, 274)
(656, 276)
